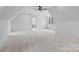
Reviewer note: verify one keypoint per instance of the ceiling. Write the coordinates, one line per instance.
(60, 13)
(65, 13)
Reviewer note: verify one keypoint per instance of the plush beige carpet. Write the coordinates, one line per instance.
(39, 41)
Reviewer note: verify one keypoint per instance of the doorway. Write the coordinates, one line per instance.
(34, 24)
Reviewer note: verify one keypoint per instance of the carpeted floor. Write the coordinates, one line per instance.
(39, 41)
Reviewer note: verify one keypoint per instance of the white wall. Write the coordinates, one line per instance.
(4, 30)
(66, 13)
(21, 23)
(67, 21)
(70, 28)
(1, 7)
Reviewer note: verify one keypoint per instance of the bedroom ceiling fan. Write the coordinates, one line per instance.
(41, 8)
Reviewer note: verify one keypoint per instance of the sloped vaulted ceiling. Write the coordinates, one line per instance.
(65, 13)
(10, 11)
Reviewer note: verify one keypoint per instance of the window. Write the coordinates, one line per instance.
(51, 20)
